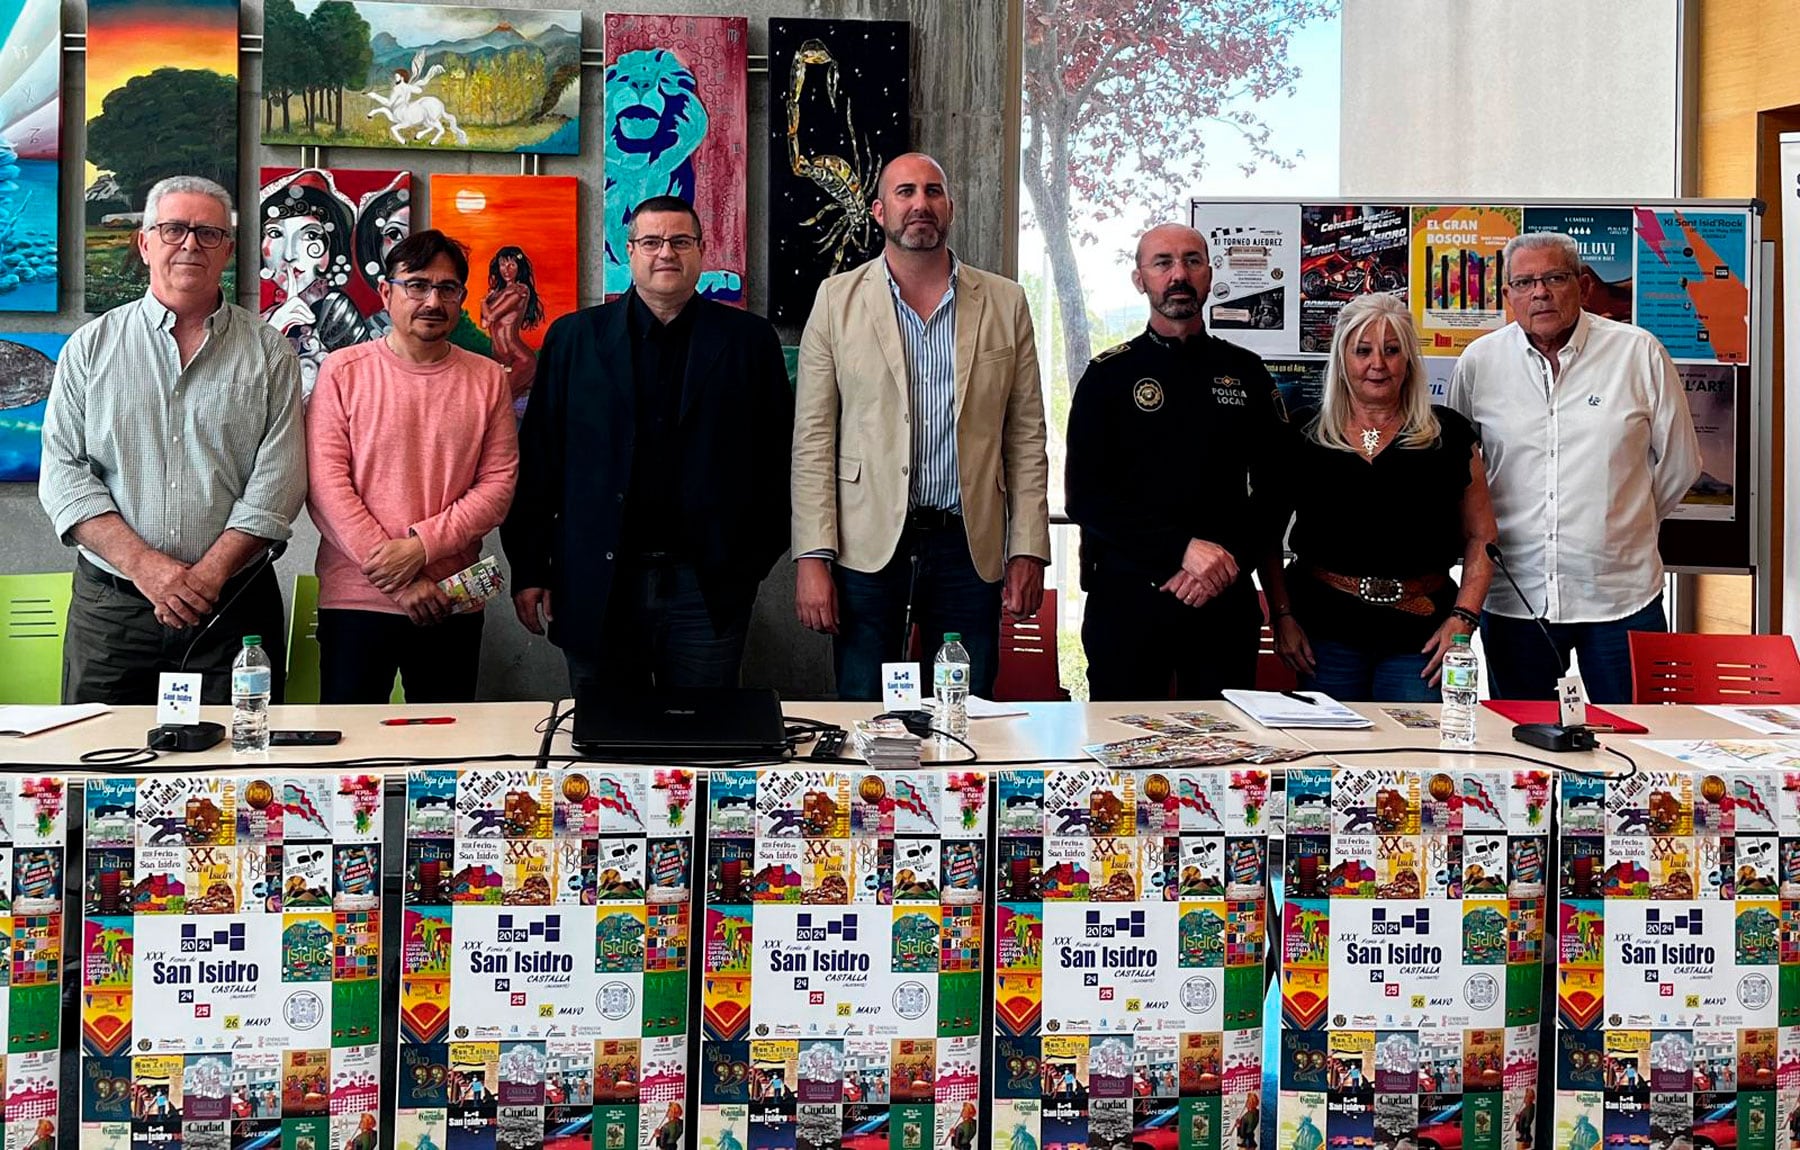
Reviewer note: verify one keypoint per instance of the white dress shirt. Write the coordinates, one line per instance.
(1582, 466)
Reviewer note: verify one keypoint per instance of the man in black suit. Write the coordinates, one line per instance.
(653, 473)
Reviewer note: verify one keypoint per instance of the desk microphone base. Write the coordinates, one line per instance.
(1555, 737)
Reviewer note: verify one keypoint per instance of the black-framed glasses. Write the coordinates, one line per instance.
(679, 244)
(175, 233)
(420, 290)
(1551, 280)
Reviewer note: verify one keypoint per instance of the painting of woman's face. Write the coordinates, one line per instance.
(509, 268)
(394, 228)
(296, 253)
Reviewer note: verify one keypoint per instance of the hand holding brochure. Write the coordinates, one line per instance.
(474, 585)
(1278, 709)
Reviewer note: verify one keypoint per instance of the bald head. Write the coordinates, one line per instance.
(912, 203)
(1170, 237)
(1174, 271)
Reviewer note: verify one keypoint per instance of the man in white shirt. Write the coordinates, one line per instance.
(1589, 447)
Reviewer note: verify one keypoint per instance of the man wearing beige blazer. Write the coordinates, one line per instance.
(920, 476)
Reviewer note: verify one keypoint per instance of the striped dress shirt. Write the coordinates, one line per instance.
(181, 453)
(930, 349)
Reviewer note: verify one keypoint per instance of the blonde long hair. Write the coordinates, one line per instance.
(1365, 312)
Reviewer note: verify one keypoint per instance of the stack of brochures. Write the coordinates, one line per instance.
(1278, 709)
(885, 744)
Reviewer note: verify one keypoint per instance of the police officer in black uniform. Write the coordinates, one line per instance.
(1173, 445)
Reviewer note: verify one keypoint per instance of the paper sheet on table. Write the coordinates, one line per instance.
(1277, 709)
(1765, 720)
(980, 708)
(1729, 754)
(27, 720)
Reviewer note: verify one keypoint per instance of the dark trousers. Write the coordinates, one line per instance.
(359, 652)
(947, 593)
(1522, 665)
(114, 649)
(1143, 643)
(660, 633)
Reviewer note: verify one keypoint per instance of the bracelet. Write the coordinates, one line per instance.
(1467, 616)
(1280, 613)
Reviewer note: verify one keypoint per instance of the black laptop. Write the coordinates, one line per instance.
(688, 723)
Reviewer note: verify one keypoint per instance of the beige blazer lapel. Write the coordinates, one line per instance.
(969, 301)
(878, 302)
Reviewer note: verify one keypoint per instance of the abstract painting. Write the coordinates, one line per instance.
(676, 115)
(27, 365)
(839, 108)
(423, 76)
(323, 236)
(162, 100)
(523, 260)
(30, 119)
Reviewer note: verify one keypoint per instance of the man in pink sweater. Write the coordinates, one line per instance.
(413, 455)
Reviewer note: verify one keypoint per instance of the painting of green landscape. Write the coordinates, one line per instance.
(363, 74)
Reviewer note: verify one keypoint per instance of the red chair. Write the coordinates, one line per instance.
(1029, 670)
(1271, 673)
(1699, 669)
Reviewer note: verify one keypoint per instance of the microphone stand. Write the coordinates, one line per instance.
(1546, 736)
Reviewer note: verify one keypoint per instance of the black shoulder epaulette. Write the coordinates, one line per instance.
(1115, 349)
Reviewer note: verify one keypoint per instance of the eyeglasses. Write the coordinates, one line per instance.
(1551, 280)
(175, 233)
(653, 244)
(420, 290)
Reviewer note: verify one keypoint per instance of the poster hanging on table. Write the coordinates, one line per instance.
(1412, 942)
(1129, 944)
(1346, 250)
(1692, 268)
(544, 958)
(1459, 273)
(33, 841)
(1678, 1003)
(231, 961)
(843, 949)
(1255, 253)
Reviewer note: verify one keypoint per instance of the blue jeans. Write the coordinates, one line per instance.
(1351, 674)
(1521, 665)
(948, 594)
(659, 633)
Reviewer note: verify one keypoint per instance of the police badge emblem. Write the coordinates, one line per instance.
(1147, 394)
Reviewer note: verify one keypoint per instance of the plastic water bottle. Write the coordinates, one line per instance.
(1462, 683)
(950, 686)
(252, 679)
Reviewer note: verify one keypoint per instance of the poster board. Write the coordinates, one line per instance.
(1129, 946)
(1412, 955)
(1685, 270)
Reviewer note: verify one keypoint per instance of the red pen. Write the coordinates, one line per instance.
(431, 722)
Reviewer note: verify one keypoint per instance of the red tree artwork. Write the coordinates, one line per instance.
(1119, 97)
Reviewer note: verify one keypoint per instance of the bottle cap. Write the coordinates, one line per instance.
(1459, 640)
(252, 640)
(952, 636)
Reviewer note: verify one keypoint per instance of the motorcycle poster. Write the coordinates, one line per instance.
(1346, 250)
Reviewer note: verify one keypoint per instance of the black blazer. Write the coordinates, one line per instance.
(575, 448)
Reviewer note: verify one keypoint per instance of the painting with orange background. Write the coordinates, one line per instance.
(521, 233)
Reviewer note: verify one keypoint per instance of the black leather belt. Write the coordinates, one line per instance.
(933, 519)
(117, 583)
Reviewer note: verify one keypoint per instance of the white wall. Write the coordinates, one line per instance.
(1467, 99)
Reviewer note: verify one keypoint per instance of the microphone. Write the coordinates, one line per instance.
(202, 735)
(1549, 736)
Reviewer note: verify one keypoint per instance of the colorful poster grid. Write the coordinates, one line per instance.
(1678, 998)
(1412, 941)
(544, 958)
(1129, 946)
(33, 826)
(843, 950)
(239, 918)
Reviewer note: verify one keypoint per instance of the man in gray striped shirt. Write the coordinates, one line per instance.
(174, 458)
(920, 475)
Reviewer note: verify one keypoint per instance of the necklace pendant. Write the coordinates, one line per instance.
(1371, 439)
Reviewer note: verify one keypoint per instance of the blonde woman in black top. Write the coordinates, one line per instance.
(1387, 492)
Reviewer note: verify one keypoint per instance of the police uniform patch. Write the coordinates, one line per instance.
(1147, 394)
(1229, 391)
(1281, 412)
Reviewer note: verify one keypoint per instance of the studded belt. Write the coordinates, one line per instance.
(1412, 596)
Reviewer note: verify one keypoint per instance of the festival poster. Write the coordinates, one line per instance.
(1603, 236)
(33, 839)
(1346, 250)
(1255, 254)
(1459, 273)
(842, 1000)
(544, 956)
(231, 959)
(1712, 391)
(1685, 1036)
(1692, 272)
(1411, 969)
(1131, 987)
(677, 118)
(1299, 382)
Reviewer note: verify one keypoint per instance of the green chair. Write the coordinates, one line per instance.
(303, 646)
(33, 611)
